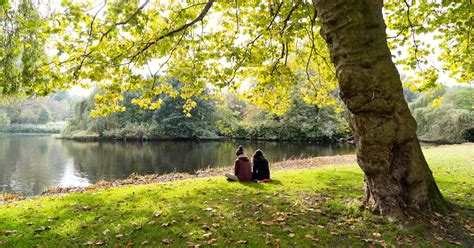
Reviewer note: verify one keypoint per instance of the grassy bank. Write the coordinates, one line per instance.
(53, 127)
(301, 208)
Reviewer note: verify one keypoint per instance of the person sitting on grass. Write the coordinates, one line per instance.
(242, 167)
(261, 170)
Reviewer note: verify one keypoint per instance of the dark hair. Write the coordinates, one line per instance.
(240, 150)
(258, 155)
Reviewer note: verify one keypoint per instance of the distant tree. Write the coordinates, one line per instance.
(4, 120)
(445, 115)
(44, 116)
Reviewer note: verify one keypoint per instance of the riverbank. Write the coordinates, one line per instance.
(50, 128)
(301, 208)
(93, 136)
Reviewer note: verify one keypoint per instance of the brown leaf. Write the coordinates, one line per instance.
(100, 242)
(211, 241)
(106, 231)
(240, 242)
(166, 241)
(42, 229)
(291, 235)
(376, 234)
(7, 232)
(215, 225)
(207, 235)
(277, 243)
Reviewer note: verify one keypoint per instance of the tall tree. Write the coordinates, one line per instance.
(270, 45)
(396, 173)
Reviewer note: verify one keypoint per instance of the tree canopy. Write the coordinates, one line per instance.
(261, 47)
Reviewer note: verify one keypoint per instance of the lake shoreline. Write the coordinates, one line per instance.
(220, 138)
(292, 164)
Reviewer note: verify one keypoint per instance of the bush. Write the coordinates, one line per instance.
(451, 121)
(30, 128)
(44, 116)
(4, 120)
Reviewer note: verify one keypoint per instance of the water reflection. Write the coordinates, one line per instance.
(30, 164)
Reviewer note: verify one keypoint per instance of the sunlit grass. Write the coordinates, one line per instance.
(301, 208)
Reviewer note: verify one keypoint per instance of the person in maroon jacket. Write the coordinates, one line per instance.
(242, 167)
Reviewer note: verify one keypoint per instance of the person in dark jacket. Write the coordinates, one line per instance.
(242, 167)
(261, 170)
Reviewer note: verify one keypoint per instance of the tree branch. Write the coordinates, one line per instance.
(171, 33)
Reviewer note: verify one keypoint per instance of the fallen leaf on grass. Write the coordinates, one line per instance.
(52, 218)
(100, 242)
(207, 235)
(191, 245)
(309, 236)
(152, 222)
(144, 242)
(377, 235)
(42, 229)
(166, 241)
(438, 237)
(277, 243)
(211, 241)
(454, 242)
(291, 235)
(215, 225)
(106, 231)
(241, 242)
(119, 236)
(7, 232)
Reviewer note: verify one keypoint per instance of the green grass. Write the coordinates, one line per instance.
(301, 208)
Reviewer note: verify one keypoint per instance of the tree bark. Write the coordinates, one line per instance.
(397, 177)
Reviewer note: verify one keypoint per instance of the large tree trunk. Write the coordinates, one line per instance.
(397, 177)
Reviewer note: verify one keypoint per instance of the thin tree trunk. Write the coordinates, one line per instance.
(397, 177)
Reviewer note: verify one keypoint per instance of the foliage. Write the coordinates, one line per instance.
(445, 115)
(44, 116)
(38, 110)
(302, 121)
(4, 120)
(31, 128)
(211, 118)
(301, 208)
(128, 46)
(22, 54)
(139, 123)
(415, 26)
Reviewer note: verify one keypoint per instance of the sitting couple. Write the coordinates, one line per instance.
(243, 167)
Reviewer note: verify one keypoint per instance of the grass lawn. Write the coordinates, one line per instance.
(301, 208)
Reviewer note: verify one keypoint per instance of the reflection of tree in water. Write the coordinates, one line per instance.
(113, 160)
(107, 160)
(28, 165)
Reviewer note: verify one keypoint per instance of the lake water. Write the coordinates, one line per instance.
(31, 164)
